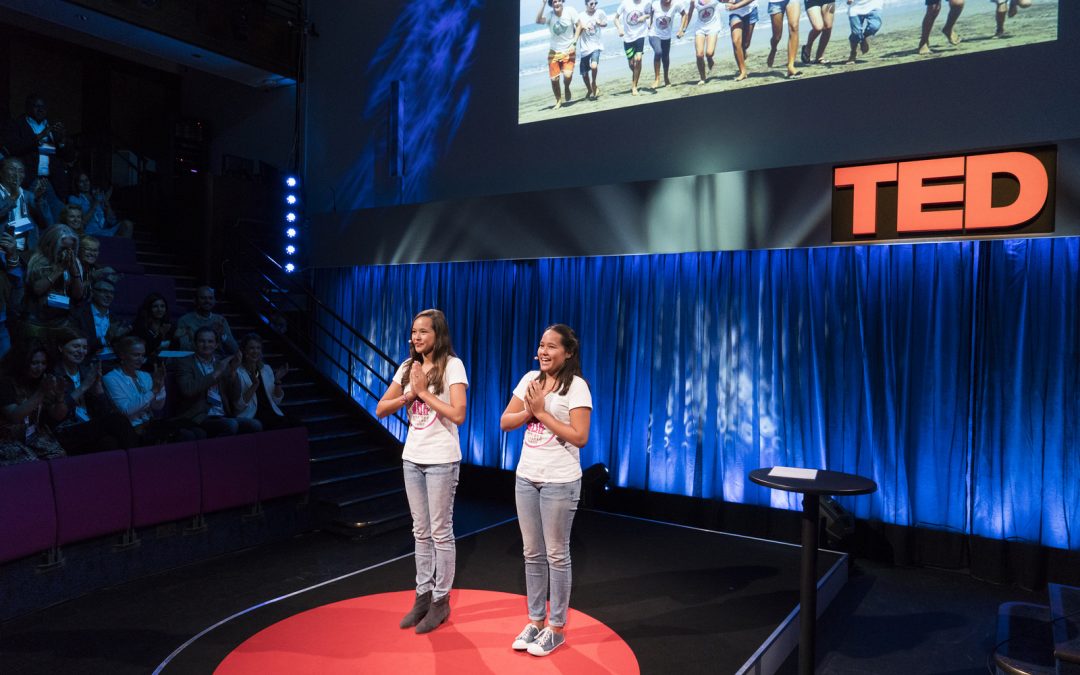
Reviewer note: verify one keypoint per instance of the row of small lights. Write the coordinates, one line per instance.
(292, 218)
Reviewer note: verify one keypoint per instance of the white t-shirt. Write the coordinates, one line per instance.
(432, 439)
(634, 18)
(864, 7)
(706, 13)
(546, 458)
(666, 23)
(744, 10)
(563, 29)
(590, 40)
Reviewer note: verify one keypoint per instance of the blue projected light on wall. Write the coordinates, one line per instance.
(435, 95)
(945, 372)
(697, 46)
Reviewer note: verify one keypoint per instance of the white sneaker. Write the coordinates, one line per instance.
(546, 642)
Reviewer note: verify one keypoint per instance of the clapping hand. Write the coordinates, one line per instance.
(51, 388)
(7, 243)
(534, 398)
(158, 377)
(281, 372)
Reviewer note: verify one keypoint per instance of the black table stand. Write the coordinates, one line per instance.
(825, 483)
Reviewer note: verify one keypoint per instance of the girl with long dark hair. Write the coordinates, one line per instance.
(431, 385)
(555, 405)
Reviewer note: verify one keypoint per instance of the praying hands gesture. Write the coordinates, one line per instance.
(417, 380)
(534, 399)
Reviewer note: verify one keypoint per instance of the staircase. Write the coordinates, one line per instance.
(1040, 639)
(356, 480)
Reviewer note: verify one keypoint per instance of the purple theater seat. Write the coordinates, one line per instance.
(230, 474)
(93, 495)
(119, 254)
(133, 289)
(27, 510)
(164, 483)
(284, 463)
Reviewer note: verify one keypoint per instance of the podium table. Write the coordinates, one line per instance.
(823, 483)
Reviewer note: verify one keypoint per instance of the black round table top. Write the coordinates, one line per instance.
(825, 483)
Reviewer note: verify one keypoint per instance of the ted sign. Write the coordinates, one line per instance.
(991, 193)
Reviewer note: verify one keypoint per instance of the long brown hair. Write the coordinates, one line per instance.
(439, 355)
(572, 366)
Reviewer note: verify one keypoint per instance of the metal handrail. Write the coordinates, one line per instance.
(286, 283)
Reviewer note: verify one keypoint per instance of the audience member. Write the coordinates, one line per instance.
(53, 283)
(139, 394)
(18, 208)
(203, 315)
(92, 423)
(204, 381)
(31, 400)
(10, 282)
(39, 144)
(72, 216)
(258, 389)
(95, 318)
(154, 326)
(96, 209)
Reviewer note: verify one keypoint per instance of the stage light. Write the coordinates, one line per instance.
(291, 182)
(290, 200)
(290, 217)
(290, 268)
(290, 249)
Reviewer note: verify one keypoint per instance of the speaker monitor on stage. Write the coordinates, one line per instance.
(593, 483)
(839, 524)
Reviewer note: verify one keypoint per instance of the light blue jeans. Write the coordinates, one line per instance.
(430, 489)
(545, 514)
(864, 26)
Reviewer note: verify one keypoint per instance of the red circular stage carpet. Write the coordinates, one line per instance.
(361, 635)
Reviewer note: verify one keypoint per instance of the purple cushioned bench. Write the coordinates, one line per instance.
(93, 495)
(230, 476)
(119, 254)
(165, 483)
(27, 510)
(284, 463)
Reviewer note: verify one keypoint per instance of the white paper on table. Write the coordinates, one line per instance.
(793, 472)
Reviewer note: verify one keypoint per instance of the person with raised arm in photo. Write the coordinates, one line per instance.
(865, 19)
(704, 15)
(821, 14)
(431, 386)
(742, 17)
(565, 29)
(632, 22)
(591, 46)
(664, 15)
(554, 405)
(778, 11)
(933, 8)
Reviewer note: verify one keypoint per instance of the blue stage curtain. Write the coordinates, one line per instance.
(946, 372)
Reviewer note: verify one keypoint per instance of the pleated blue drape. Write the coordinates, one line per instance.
(946, 372)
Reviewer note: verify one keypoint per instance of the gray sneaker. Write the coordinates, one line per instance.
(526, 638)
(546, 642)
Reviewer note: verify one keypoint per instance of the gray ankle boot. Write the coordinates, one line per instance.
(436, 615)
(418, 611)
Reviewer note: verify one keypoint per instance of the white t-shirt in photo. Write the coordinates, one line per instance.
(666, 22)
(745, 10)
(546, 458)
(433, 439)
(706, 14)
(634, 17)
(563, 29)
(864, 7)
(590, 40)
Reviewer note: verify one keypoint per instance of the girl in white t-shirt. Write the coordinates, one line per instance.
(431, 384)
(565, 30)
(705, 16)
(555, 405)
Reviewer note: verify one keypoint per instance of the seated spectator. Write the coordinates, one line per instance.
(72, 216)
(10, 282)
(97, 211)
(258, 390)
(204, 381)
(95, 319)
(139, 394)
(204, 316)
(92, 423)
(31, 400)
(153, 324)
(53, 283)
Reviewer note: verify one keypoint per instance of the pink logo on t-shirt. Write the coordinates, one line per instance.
(421, 416)
(663, 22)
(635, 18)
(706, 13)
(537, 435)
